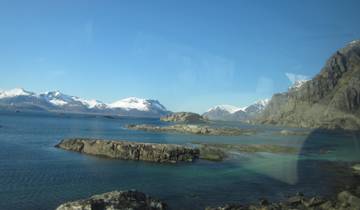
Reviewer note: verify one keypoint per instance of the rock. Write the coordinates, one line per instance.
(116, 200)
(331, 100)
(184, 117)
(356, 168)
(357, 191)
(346, 197)
(314, 201)
(295, 200)
(264, 202)
(194, 129)
(327, 205)
(163, 153)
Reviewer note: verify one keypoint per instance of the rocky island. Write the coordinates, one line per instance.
(125, 150)
(331, 100)
(194, 129)
(184, 117)
(166, 153)
(116, 200)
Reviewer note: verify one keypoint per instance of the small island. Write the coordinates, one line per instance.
(165, 153)
(125, 150)
(184, 117)
(194, 129)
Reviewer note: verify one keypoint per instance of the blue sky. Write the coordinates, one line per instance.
(190, 55)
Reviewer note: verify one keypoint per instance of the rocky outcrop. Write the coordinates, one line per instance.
(194, 129)
(330, 100)
(162, 153)
(116, 200)
(183, 117)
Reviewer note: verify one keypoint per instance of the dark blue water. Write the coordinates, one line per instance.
(35, 175)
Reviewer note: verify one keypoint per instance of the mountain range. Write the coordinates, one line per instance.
(233, 113)
(330, 100)
(55, 101)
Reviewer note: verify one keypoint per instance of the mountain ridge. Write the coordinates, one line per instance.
(233, 113)
(21, 99)
(330, 100)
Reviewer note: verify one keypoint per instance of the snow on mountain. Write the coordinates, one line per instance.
(91, 104)
(137, 104)
(257, 106)
(233, 113)
(15, 92)
(227, 108)
(57, 101)
(297, 84)
(56, 98)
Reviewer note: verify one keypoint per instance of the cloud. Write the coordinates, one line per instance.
(296, 77)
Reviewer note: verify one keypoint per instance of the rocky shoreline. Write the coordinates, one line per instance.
(348, 199)
(345, 200)
(121, 200)
(125, 150)
(193, 129)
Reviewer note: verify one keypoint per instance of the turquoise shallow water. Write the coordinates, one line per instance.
(35, 175)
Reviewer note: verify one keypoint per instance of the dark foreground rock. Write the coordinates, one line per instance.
(163, 153)
(184, 117)
(345, 201)
(194, 129)
(218, 152)
(116, 200)
(348, 199)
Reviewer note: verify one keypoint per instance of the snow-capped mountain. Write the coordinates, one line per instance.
(134, 105)
(137, 103)
(59, 99)
(233, 113)
(56, 101)
(15, 92)
(226, 108)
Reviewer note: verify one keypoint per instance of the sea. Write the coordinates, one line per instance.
(36, 175)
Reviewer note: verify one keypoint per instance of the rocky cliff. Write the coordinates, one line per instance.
(330, 100)
(163, 153)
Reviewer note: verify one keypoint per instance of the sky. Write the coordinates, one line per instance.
(188, 54)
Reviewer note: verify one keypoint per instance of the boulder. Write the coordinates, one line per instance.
(116, 200)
